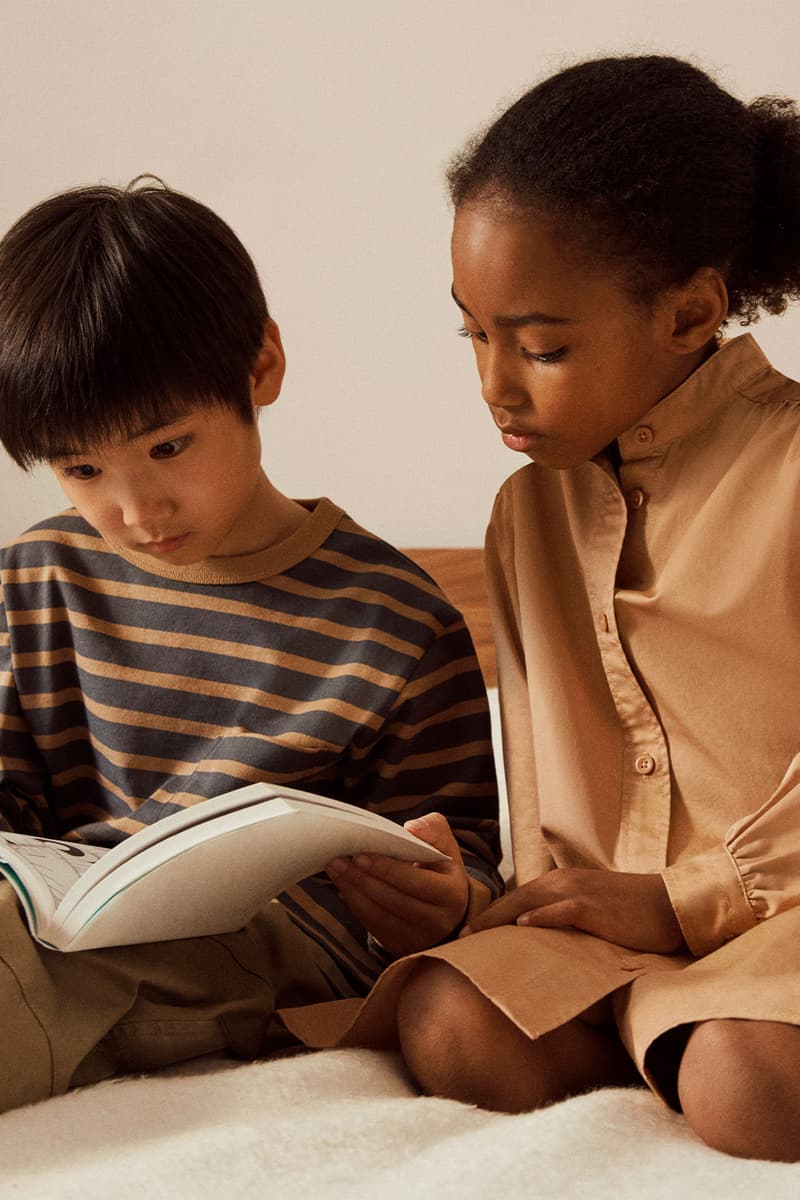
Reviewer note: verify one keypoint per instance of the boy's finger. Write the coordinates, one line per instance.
(388, 878)
(393, 914)
(435, 829)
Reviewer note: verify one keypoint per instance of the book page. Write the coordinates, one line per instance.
(213, 877)
(58, 865)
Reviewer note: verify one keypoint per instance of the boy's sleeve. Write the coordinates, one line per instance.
(434, 754)
(23, 804)
(753, 875)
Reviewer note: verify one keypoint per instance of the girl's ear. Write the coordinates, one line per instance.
(698, 309)
(267, 374)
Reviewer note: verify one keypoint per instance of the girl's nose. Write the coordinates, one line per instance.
(499, 383)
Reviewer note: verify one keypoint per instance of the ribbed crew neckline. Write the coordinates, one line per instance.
(323, 517)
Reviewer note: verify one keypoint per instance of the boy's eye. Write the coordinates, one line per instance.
(169, 449)
(82, 471)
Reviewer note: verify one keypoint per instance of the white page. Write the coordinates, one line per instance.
(192, 815)
(58, 865)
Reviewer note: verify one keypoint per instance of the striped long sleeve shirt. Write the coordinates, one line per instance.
(329, 662)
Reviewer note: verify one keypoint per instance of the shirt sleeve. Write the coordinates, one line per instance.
(753, 875)
(434, 754)
(23, 799)
(431, 752)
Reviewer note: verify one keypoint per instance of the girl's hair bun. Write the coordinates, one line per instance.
(767, 272)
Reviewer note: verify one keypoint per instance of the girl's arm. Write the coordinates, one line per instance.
(754, 874)
(700, 903)
(628, 909)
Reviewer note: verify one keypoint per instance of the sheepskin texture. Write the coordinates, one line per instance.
(348, 1123)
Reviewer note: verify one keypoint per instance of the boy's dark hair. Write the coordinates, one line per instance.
(118, 308)
(658, 170)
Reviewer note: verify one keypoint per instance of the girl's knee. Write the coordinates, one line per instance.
(457, 1044)
(739, 1087)
(438, 1014)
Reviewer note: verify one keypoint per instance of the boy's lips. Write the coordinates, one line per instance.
(164, 545)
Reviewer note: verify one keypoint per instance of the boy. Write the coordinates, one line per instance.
(186, 628)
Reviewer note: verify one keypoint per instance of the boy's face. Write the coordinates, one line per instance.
(188, 491)
(567, 359)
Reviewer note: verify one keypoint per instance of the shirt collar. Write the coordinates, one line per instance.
(738, 366)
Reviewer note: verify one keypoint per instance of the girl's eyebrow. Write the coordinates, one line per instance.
(531, 318)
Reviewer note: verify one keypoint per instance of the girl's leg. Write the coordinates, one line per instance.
(457, 1044)
(739, 1087)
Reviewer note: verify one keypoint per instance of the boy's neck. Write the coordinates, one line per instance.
(276, 517)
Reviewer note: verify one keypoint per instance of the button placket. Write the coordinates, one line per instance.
(645, 796)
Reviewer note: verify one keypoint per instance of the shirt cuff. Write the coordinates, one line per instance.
(709, 899)
(480, 897)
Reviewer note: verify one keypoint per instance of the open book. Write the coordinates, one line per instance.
(206, 869)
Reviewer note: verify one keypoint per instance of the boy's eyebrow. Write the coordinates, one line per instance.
(531, 318)
(56, 454)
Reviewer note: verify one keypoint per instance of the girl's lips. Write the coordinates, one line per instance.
(515, 440)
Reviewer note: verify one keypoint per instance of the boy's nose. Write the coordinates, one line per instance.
(146, 512)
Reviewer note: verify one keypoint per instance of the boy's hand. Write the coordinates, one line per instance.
(631, 910)
(407, 906)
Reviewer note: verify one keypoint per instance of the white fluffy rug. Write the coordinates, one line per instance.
(345, 1124)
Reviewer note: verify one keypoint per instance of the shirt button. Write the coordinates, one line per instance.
(645, 764)
(636, 498)
(602, 622)
(644, 435)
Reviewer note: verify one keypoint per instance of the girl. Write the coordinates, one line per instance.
(645, 576)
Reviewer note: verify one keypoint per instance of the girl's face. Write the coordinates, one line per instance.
(567, 359)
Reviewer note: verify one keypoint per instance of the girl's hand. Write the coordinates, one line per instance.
(631, 910)
(407, 906)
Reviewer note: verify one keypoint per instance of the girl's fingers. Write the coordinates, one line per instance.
(550, 916)
(505, 911)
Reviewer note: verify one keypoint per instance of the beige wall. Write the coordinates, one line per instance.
(319, 130)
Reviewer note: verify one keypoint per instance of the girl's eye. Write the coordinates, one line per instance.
(473, 334)
(83, 471)
(550, 357)
(169, 449)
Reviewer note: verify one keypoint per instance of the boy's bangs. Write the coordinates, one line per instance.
(63, 428)
(119, 309)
